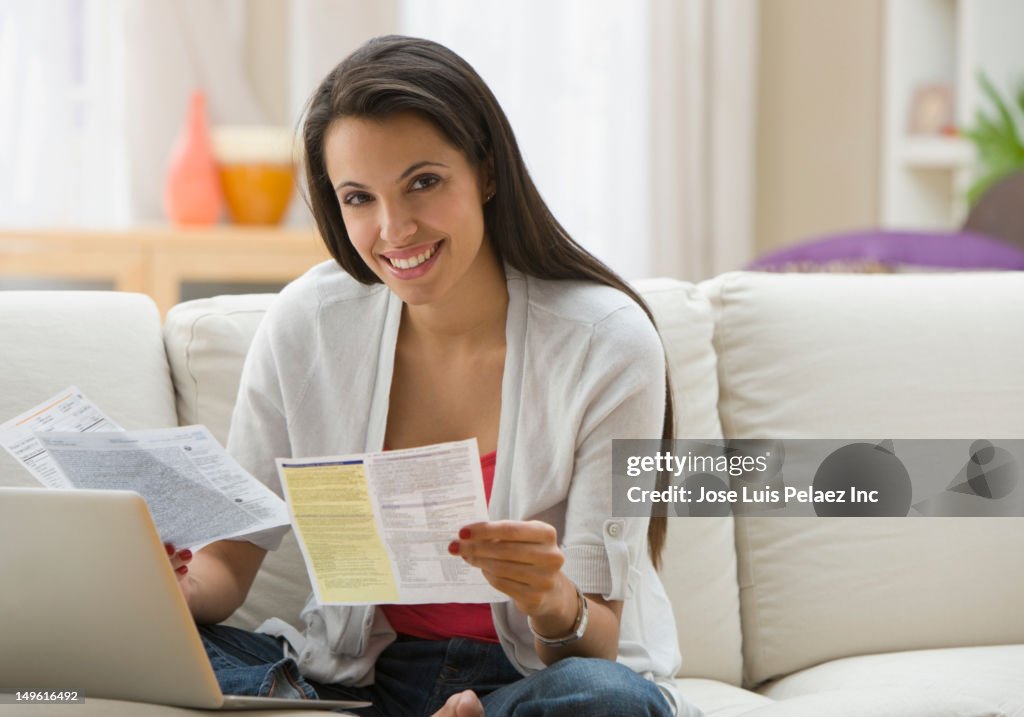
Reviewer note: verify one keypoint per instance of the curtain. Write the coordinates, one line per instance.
(94, 93)
(61, 119)
(570, 75)
(704, 111)
(636, 119)
(322, 33)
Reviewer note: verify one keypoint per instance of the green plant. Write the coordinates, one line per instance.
(997, 139)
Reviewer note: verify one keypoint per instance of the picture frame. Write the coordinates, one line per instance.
(931, 110)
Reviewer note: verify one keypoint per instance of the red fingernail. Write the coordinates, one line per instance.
(185, 554)
(169, 548)
(464, 533)
(453, 547)
(182, 570)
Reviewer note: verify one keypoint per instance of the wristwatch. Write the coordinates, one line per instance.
(578, 628)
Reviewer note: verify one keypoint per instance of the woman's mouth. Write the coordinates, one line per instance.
(415, 265)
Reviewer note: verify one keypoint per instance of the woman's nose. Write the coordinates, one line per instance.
(397, 226)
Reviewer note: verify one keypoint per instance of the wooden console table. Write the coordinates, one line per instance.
(156, 261)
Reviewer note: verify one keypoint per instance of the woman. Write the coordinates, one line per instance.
(457, 307)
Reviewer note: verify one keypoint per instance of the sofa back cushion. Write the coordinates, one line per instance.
(872, 357)
(699, 560)
(207, 340)
(106, 343)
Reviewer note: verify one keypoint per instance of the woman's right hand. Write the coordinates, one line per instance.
(179, 563)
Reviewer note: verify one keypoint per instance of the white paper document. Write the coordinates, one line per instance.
(375, 527)
(195, 491)
(69, 411)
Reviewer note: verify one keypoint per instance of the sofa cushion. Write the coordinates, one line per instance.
(880, 702)
(106, 343)
(699, 561)
(840, 356)
(872, 357)
(684, 320)
(699, 573)
(858, 697)
(207, 340)
(814, 589)
(718, 699)
(992, 675)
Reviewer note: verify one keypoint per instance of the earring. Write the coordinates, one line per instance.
(489, 197)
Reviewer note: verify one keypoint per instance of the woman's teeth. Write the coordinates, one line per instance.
(413, 261)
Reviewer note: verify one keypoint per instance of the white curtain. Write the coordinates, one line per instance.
(571, 76)
(323, 32)
(704, 90)
(93, 94)
(62, 152)
(636, 119)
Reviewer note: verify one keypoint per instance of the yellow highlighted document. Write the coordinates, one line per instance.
(333, 517)
(375, 527)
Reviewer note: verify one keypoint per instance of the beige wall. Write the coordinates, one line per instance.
(819, 116)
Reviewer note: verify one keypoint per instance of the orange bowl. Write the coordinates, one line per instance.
(257, 193)
(257, 172)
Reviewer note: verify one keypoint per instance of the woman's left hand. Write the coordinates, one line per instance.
(521, 559)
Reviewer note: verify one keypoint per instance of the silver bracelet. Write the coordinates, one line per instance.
(579, 627)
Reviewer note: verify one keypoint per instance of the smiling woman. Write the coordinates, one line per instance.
(457, 308)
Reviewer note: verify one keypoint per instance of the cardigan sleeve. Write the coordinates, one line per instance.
(621, 394)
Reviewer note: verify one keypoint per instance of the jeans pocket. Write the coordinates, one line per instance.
(283, 680)
(279, 679)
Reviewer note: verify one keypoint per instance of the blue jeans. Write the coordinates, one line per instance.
(416, 677)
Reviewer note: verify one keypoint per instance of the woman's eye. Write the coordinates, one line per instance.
(425, 182)
(356, 198)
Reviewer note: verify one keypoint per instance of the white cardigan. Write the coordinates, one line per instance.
(583, 365)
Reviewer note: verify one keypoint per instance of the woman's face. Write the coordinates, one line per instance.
(411, 202)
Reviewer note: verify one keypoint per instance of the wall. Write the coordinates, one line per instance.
(819, 110)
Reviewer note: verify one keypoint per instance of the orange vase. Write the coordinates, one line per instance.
(192, 194)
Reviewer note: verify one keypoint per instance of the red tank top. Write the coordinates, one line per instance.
(442, 621)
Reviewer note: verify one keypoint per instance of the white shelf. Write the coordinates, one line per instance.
(945, 43)
(938, 153)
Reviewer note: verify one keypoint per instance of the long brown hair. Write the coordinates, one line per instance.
(395, 74)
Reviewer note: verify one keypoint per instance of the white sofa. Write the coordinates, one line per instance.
(776, 616)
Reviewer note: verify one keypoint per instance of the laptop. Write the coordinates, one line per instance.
(88, 602)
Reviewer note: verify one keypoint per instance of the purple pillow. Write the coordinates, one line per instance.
(886, 250)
